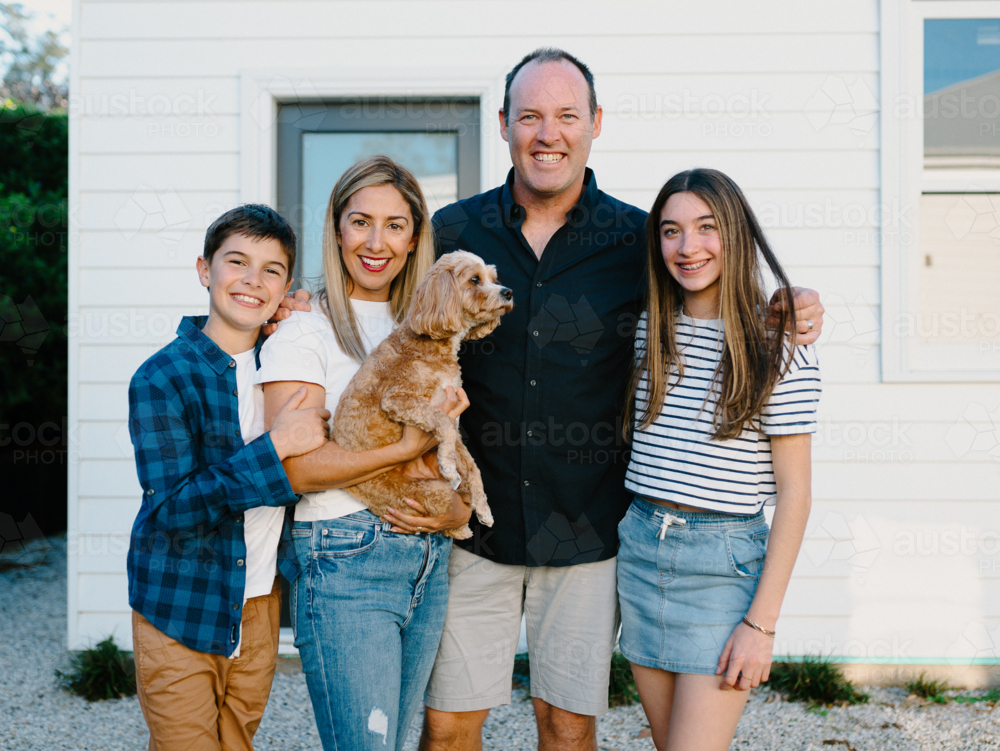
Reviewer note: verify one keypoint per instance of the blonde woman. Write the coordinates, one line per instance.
(369, 603)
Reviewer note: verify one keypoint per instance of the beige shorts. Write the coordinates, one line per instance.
(571, 614)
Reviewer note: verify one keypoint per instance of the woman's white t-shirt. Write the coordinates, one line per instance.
(304, 348)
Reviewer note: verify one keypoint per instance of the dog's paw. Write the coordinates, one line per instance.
(485, 517)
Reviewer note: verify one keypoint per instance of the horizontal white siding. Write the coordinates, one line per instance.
(730, 85)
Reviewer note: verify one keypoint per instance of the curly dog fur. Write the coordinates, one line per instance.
(402, 382)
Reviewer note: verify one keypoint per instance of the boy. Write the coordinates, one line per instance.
(205, 544)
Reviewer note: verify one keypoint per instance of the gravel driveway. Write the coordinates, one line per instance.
(38, 716)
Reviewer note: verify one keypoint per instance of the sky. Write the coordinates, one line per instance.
(957, 50)
(55, 15)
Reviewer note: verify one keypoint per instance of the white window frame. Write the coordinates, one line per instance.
(263, 91)
(903, 180)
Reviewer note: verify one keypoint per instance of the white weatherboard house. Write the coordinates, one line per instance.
(181, 110)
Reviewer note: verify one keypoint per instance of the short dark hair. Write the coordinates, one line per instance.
(549, 55)
(254, 220)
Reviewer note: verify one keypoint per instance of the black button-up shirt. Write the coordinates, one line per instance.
(547, 387)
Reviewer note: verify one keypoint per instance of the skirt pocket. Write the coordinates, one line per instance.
(746, 549)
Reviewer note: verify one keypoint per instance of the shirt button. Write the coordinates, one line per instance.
(526, 483)
(534, 333)
(532, 381)
(236, 606)
(237, 434)
(239, 562)
(529, 433)
(150, 491)
(232, 363)
(239, 519)
(538, 284)
(236, 392)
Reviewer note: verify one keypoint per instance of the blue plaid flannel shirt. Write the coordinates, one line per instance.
(186, 560)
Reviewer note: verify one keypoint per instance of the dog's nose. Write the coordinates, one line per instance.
(507, 294)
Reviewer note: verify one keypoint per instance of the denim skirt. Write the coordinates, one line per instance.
(684, 587)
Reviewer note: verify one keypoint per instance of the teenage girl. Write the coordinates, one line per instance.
(722, 414)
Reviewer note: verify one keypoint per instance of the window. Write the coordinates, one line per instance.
(436, 139)
(941, 165)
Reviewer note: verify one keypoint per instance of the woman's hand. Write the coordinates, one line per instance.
(458, 515)
(298, 301)
(415, 442)
(746, 659)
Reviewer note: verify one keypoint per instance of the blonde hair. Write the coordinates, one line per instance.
(335, 296)
(753, 359)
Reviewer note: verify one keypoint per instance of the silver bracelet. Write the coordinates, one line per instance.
(763, 630)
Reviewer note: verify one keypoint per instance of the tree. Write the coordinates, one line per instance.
(32, 63)
(35, 441)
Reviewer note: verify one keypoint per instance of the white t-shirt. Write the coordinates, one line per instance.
(261, 525)
(676, 459)
(304, 348)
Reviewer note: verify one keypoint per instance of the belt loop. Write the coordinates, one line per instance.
(668, 520)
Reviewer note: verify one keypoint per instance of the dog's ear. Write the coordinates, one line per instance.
(437, 304)
(483, 329)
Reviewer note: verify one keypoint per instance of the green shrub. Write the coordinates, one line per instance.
(815, 680)
(621, 687)
(522, 671)
(104, 672)
(930, 690)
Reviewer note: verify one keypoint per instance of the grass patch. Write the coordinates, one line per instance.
(992, 697)
(104, 672)
(621, 687)
(815, 680)
(930, 690)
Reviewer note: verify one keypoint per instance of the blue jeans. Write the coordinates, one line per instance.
(367, 609)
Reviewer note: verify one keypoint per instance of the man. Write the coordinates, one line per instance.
(547, 394)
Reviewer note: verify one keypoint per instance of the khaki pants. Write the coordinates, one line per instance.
(194, 701)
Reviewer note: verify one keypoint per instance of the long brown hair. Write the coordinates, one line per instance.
(335, 296)
(753, 360)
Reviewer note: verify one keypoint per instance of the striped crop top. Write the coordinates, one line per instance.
(676, 459)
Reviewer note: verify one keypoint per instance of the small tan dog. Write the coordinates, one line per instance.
(402, 382)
